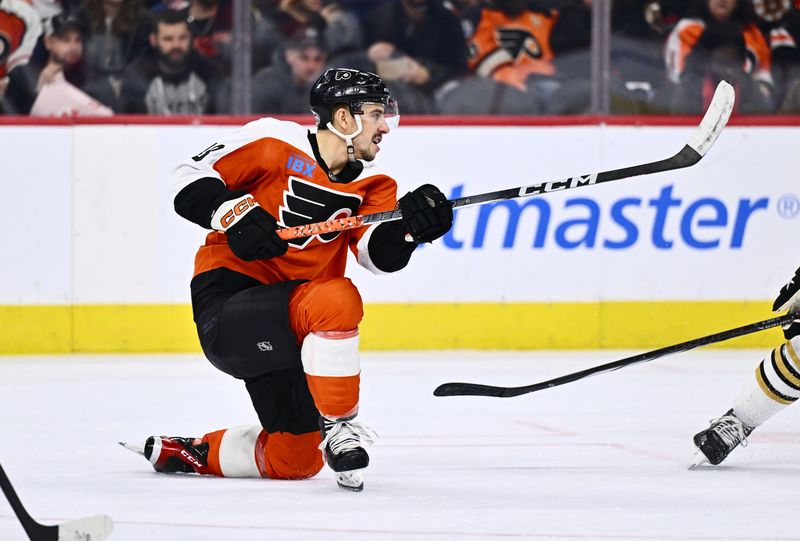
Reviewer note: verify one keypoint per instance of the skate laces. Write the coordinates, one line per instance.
(348, 435)
(731, 430)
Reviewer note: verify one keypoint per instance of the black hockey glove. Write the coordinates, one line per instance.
(249, 228)
(788, 300)
(427, 214)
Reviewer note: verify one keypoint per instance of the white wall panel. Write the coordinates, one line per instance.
(36, 215)
(125, 243)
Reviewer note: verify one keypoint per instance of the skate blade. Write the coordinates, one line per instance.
(698, 460)
(93, 528)
(350, 480)
(137, 448)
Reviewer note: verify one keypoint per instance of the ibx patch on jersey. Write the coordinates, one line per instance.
(300, 165)
(306, 203)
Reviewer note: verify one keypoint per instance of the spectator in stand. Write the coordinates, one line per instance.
(63, 42)
(284, 87)
(726, 27)
(785, 45)
(511, 42)
(118, 31)
(211, 25)
(417, 46)
(338, 28)
(171, 78)
(512, 45)
(20, 28)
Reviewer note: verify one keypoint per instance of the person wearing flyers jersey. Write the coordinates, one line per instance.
(280, 315)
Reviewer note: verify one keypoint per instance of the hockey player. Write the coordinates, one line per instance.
(281, 316)
(775, 385)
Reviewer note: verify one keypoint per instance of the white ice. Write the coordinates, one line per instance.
(603, 458)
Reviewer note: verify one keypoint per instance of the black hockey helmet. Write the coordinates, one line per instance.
(351, 87)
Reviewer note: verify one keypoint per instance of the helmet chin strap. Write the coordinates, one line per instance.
(348, 139)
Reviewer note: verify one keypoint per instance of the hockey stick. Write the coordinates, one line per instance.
(703, 138)
(476, 389)
(92, 528)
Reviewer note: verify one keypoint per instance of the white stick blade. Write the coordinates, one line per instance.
(92, 528)
(715, 118)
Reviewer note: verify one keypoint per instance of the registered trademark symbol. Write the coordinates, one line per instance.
(789, 206)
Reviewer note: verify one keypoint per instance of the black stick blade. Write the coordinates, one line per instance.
(469, 389)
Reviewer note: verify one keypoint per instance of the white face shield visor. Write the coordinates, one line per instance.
(390, 114)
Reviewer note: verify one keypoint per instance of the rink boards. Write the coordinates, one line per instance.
(98, 260)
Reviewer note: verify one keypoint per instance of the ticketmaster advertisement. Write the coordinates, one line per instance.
(92, 228)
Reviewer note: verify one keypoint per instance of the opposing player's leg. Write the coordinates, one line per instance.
(324, 315)
(775, 384)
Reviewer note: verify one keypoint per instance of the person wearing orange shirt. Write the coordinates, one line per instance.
(280, 315)
(511, 42)
(722, 18)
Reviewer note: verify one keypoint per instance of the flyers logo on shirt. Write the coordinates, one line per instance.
(305, 203)
(519, 40)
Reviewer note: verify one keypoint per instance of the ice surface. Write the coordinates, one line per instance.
(603, 458)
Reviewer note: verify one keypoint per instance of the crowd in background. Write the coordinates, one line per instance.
(515, 57)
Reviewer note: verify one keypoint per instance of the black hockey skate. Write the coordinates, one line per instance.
(716, 442)
(342, 448)
(173, 454)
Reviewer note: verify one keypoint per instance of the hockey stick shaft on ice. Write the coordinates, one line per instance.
(93, 528)
(715, 119)
(477, 389)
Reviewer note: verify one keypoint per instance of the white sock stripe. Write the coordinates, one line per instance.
(788, 369)
(776, 381)
(326, 357)
(237, 452)
(790, 348)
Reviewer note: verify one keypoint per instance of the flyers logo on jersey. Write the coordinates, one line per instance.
(305, 203)
(519, 41)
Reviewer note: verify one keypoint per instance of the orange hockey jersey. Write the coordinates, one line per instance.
(686, 34)
(510, 49)
(20, 28)
(273, 160)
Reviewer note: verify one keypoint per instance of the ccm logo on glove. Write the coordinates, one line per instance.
(231, 211)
